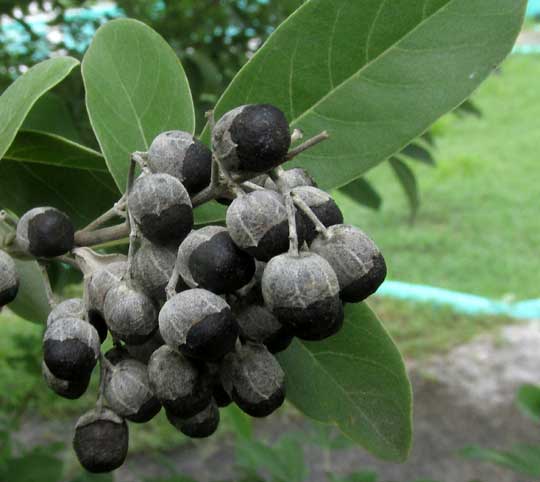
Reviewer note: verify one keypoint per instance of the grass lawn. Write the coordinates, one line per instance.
(478, 229)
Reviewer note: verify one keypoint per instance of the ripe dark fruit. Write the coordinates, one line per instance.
(199, 324)
(257, 324)
(101, 441)
(65, 388)
(144, 351)
(45, 232)
(161, 207)
(209, 258)
(356, 260)
(252, 138)
(117, 354)
(292, 178)
(254, 380)
(181, 386)
(303, 292)
(324, 207)
(181, 155)
(130, 314)
(128, 392)
(9, 279)
(151, 270)
(257, 223)
(71, 348)
(201, 425)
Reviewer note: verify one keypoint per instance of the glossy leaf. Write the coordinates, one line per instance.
(357, 381)
(20, 97)
(408, 182)
(361, 191)
(136, 88)
(529, 401)
(374, 74)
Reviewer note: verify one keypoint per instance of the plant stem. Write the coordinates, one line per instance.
(319, 226)
(104, 235)
(291, 215)
(8, 218)
(115, 211)
(51, 298)
(307, 145)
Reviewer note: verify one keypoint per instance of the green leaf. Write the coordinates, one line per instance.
(136, 88)
(416, 152)
(407, 180)
(47, 170)
(240, 422)
(528, 398)
(357, 381)
(361, 191)
(373, 73)
(356, 477)
(20, 97)
(209, 213)
(524, 459)
(468, 108)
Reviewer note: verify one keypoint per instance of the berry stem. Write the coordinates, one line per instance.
(307, 145)
(319, 226)
(103, 235)
(118, 210)
(51, 298)
(8, 218)
(291, 215)
(170, 290)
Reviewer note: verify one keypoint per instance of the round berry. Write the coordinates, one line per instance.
(130, 314)
(144, 351)
(254, 380)
(201, 425)
(179, 154)
(322, 205)
(180, 385)
(258, 223)
(252, 138)
(101, 441)
(117, 354)
(128, 392)
(303, 292)
(292, 178)
(356, 260)
(152, 268)
(71, 348)
(70, 389)
(209, 258)
(9, 279)
(199, 324)
(45, 232)
(161, 207)
(70, 308)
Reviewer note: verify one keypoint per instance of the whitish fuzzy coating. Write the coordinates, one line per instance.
(178, 383)
(128, 392)
(201, 425)
(198, 323)
(9, 279)
(292, 178)
(65, 388)
(73, 328)
(71, 308)
(152, 268)
(45, 232)
(130, 314)
(254, 379)
(222, 142)
(190, 244)
(356, 260)
(161, 207)
(99, 283)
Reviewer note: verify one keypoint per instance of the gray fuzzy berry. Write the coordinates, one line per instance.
(144, 351)
(128, 392)
(70, 389)
(292, 178)
(98, 284)
(356, 260)
(182, 386)
(130, 314)
(201, 425)
(71, 308)
(199, 324)
(161, 207)
(71, 348)
(9, 279)
(254, 379)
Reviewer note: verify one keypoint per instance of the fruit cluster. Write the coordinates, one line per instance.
(196, 315)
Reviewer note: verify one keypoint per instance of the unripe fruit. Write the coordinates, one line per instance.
(71, 348)
(9, 279)
(70, 308)
(65, 388)
(303, 292)
(254, 379)
(45, 232)
(181, 155)
(208, 258)
(201, 425)
(258, 325)
(199, 324)
(128, 392)
(180, 385)
(152, 268)
(161, 207)
(101, 441)
(356, 260)
(251, 138)
(292, 178)
(131, 315)
(258, 223)
(322, 205)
